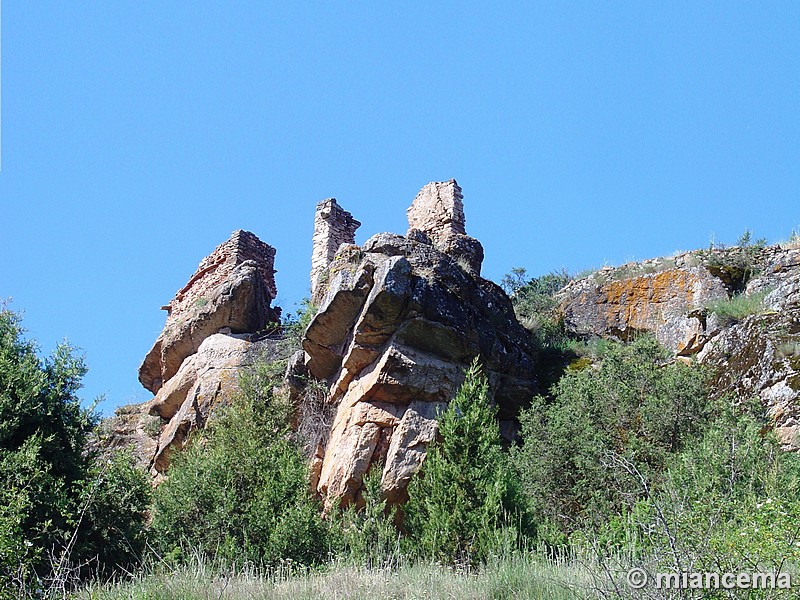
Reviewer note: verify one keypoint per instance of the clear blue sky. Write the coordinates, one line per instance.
(137, 135)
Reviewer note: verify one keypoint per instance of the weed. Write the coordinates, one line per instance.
(734, 309)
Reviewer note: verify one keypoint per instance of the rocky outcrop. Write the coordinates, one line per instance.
(664, 297)
(757, 356)
(232, 288)
(204, 381)
(399, 323)
(333, 227)
(214, 328)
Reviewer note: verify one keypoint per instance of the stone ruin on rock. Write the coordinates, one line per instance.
(210, 333)
(333, 227)
(437, 215)
(400, 319)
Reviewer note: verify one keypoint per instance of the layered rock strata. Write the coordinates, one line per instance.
(399, 323)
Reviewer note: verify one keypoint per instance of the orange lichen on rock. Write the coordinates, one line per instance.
(663, 303)
(637, 302)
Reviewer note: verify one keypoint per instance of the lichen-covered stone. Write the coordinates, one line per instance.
(399, 323)
(668, 303)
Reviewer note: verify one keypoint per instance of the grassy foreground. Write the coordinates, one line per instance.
(511, 578)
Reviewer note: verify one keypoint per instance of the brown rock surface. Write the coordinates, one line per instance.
(399, 323)
(232, 288)
(661, 297)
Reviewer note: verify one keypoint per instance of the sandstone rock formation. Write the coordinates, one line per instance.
(212, 331)
(400, 321)
(204, 381)
(333, 227)
(232, 288)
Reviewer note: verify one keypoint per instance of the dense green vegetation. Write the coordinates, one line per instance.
(466, 505)
(239, 493)
(65, 512)
(634, 409)
(625, 461)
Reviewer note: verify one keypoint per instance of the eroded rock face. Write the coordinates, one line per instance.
(204, 381)
(212, 331)
(232, 288)
(663, 297)
(759, 357)
(399, 323)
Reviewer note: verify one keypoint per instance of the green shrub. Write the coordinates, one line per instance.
(734, 309)
(727, 502)
(465, 505)
(115, 496)
(58, 518)
(736, 265)
(636, 407)
(239, 492)
(368, 537)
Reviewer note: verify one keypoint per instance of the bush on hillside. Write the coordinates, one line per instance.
(635, 407)
(726, 503)
(239, 493)
(464, 506)
(734, 309)
(54, 504)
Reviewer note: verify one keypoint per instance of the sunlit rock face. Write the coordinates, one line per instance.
(212, 331)
(401, 319)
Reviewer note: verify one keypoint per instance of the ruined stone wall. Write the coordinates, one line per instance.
(438, 210)
(333, 227)
(437, 217)
(215, 268)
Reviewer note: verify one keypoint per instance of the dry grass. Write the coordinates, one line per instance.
(511, 578)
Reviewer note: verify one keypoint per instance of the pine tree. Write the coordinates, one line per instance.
(464, 506)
